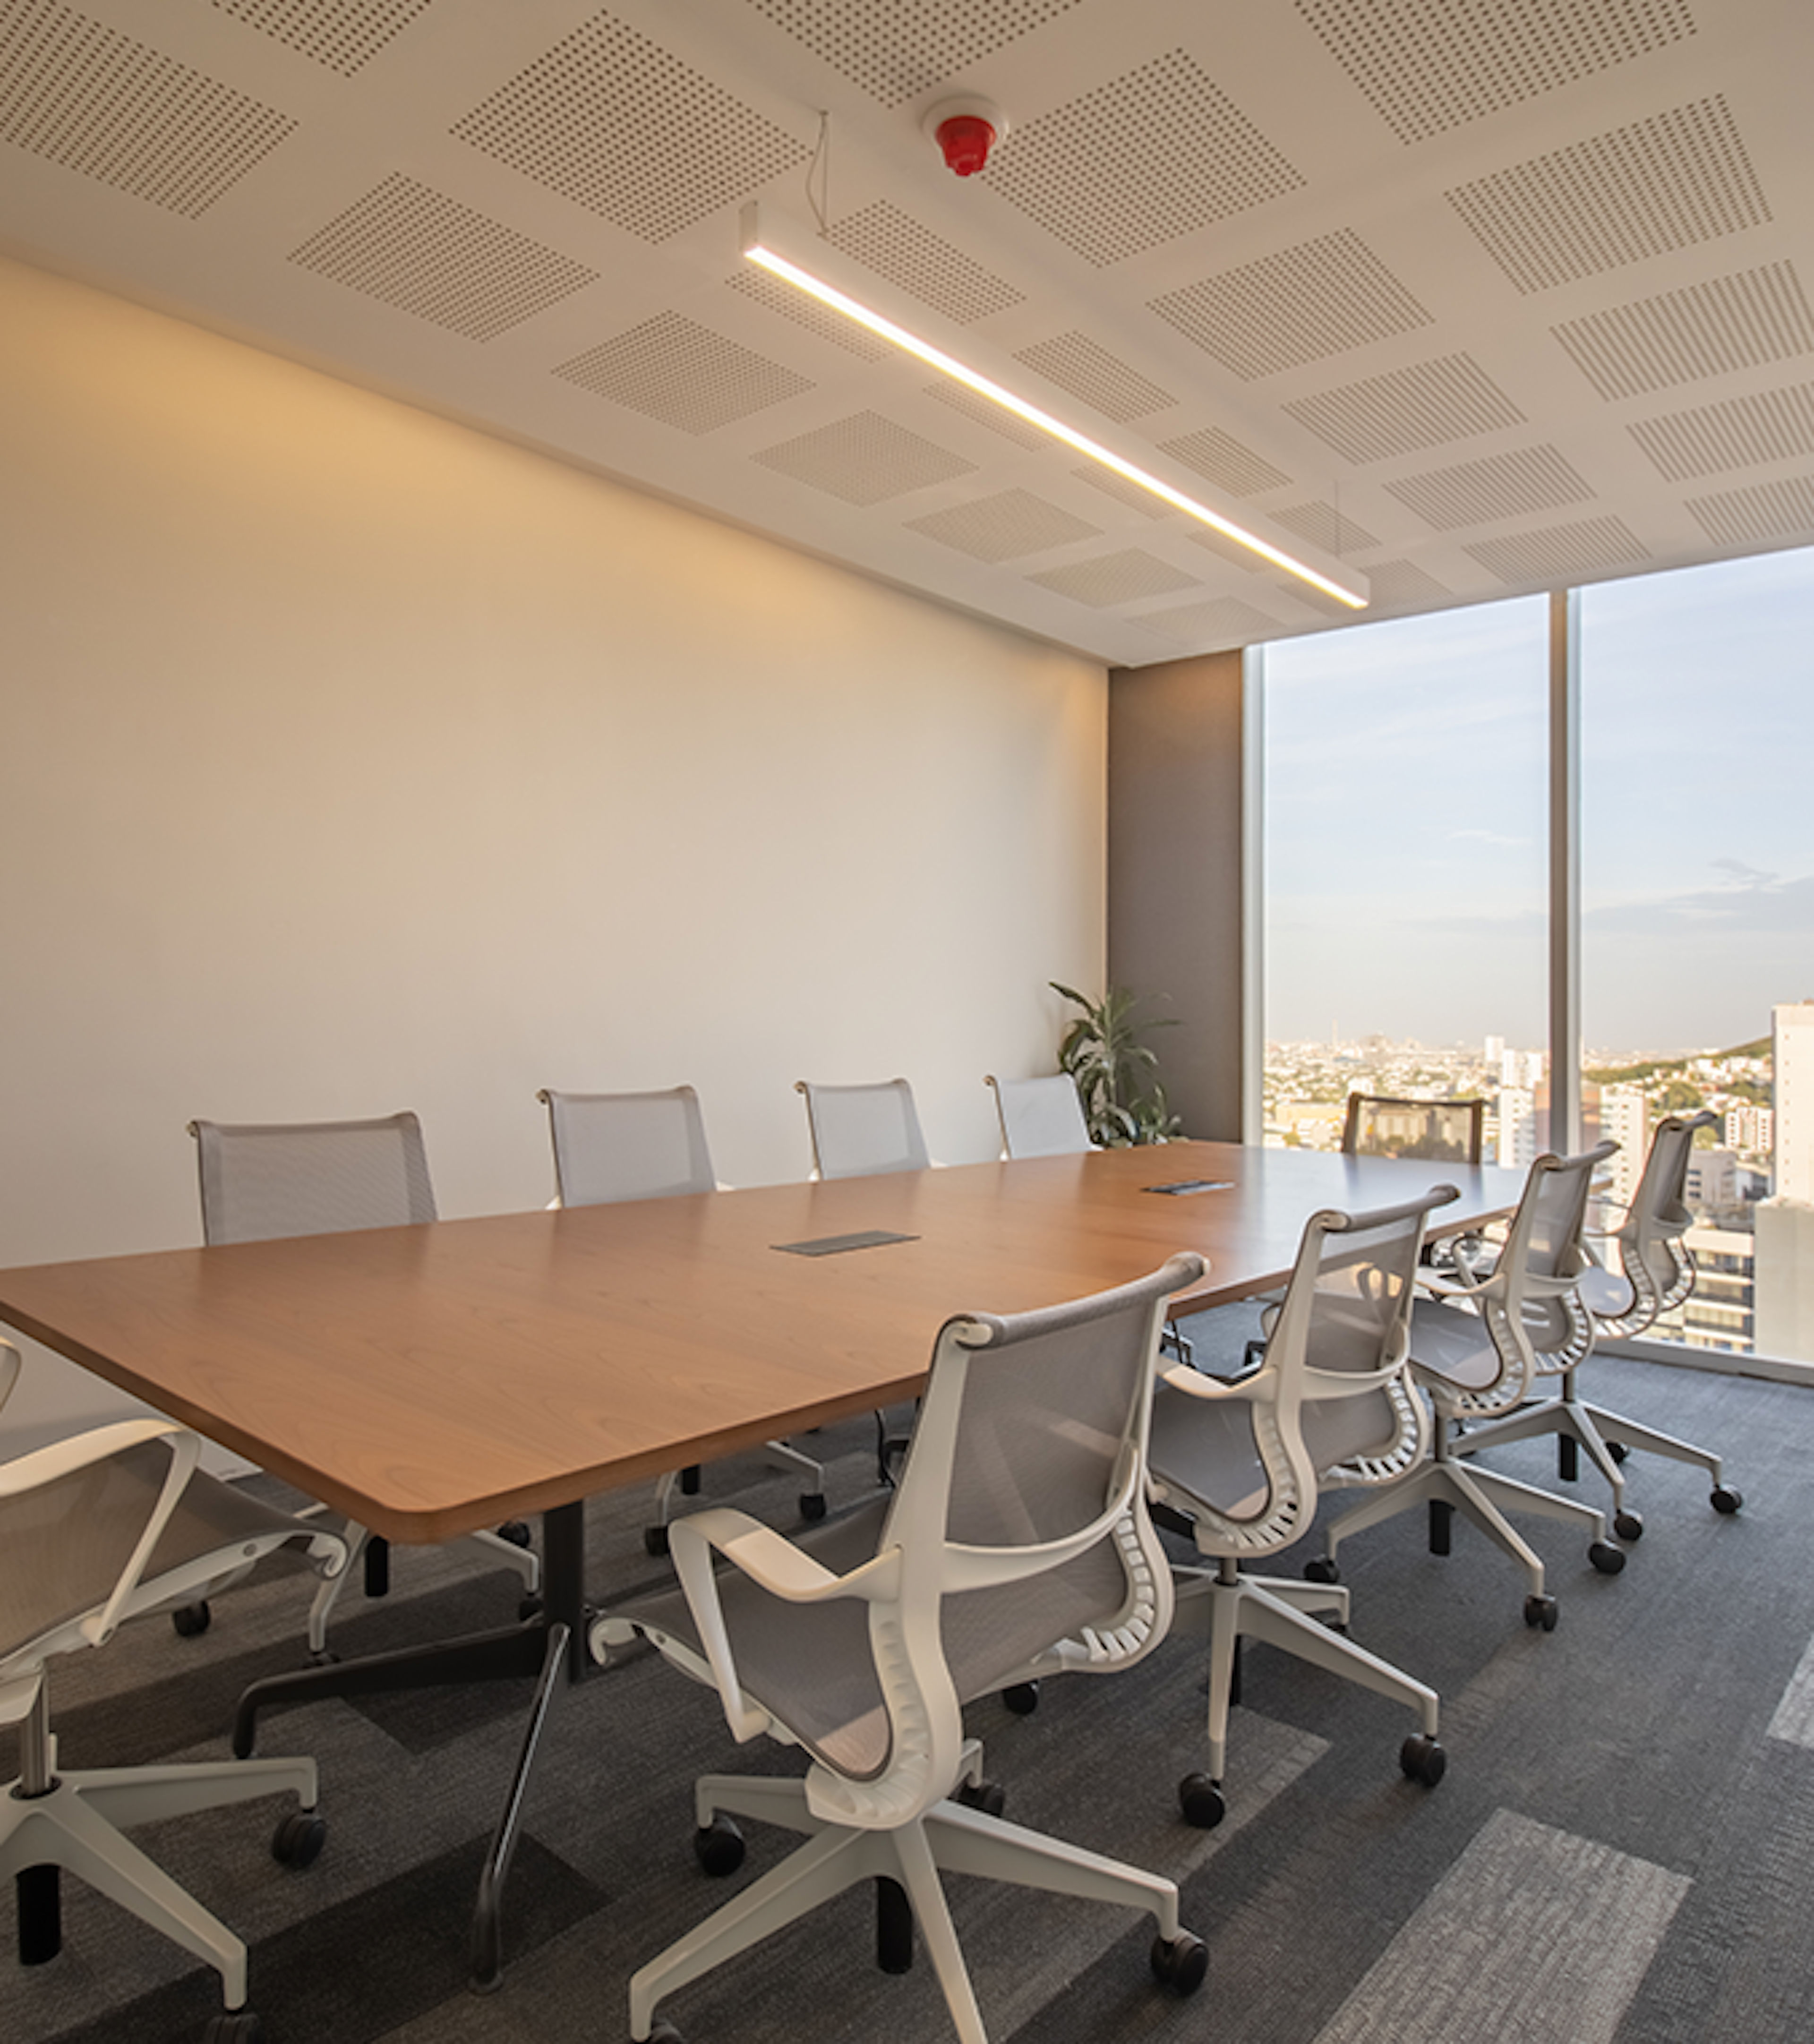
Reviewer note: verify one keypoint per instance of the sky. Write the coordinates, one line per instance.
(1406, 830)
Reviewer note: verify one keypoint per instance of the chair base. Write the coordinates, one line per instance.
(1231, 1607)
(1580, 1426)
(947, 1836)
(77, 1824)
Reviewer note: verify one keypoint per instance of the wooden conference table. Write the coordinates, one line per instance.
(430, 1380)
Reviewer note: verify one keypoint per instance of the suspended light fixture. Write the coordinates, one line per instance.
(806, 275)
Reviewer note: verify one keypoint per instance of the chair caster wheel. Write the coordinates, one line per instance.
(1202, 1802)
(1539, 1610)
(516, 1532)
(665, 2033)
(655, 1539)
(528, 1607)
(811, 1505)
(1606, 1558)
(989, 1797)
(190, 1621)
(1180, 1963)
(1321, 1568)
(1617, 1450)
(1628, 1525)
(240, 2026)
(1420, 1758)
(1022, 1698)
(297, 1841)
(718, 1847)
(1725, 1499)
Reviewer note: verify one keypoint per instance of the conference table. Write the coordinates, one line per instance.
(431, 1380)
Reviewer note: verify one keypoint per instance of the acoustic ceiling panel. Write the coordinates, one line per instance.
(1678, 179)
(1088, 370)
(1219, 458)
(1301, 304)
(1762, 514)
(1425, 404)
(1115, 578)
(1004, 527)
(776, 296)
(984, 413)
(1501, 486)
(1742, 321)
(1157, 153)
(896, 49)
(1223, 617)
(1229, 551)
(1429, 65)
(1405, 586)
(682, 373)
(82, 95)
(1556, 554)
(922, 264)
(342, 34)
(864, 459)
(619, 125)
(1323, 526)
(1711, 439)
(414, 249)
(1123, 491)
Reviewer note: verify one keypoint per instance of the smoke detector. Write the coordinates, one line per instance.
(966, 130)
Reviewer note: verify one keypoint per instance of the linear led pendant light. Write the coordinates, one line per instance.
(760, 247)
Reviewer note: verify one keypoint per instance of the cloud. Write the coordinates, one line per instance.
(1486, 837)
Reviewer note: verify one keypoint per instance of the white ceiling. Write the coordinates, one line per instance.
(1478, 296)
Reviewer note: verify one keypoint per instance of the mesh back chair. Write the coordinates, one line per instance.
(263, 1183)
(859, 1131)
(609, 1147)
(1018, 1543)
(95, 1531)
(1040, 1117)
(1238, 1466)
(1444, 1131)
(1651, 1271)
(1474, 1349)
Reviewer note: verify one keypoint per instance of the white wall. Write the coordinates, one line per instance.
(351, 760)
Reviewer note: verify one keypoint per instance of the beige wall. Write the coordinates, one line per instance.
(351, 760)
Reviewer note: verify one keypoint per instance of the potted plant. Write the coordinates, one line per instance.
(1116, 1075)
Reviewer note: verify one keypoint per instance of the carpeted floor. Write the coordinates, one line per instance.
(1622, 1853)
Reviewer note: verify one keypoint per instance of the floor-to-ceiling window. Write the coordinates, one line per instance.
(1407, 844)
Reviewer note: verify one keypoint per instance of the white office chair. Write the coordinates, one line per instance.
(859, 1132)
(1473, 1348)
(612, 1146)
(1238, 1466)
(1651, 1271)
(1017, 1543)
(1040, 1117)
(267, 1182)
(95, 1531)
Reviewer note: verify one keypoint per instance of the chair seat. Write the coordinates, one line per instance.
(1451, 1345)
(1606, 1294)
(1209, 1450)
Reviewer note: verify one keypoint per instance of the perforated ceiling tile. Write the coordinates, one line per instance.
(1741, 321)
(613, 122)
(1303, 304)
(984, 413)
(1323, 525)
(1230, 550)
(1219, 458)
(1427, 404)
(864, 459)
(1158, 152)
(1224, 617)
(1679, 179)
(922, 264)
(1501, 486)
(1428, 65)
(777, 297)
(1560, 553)
(683, 374)
(895, 49)
(1772, 425)
(1004, 527)
(82, 95)
(1113, 578)
(426, 254)
(1123, 491)
(1077, 364)
(1403, 585)
(342, 34)
(1764, 512)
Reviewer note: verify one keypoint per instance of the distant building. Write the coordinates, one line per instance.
(1625, 1116)
(1785, 1222)
(1792, 1029)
